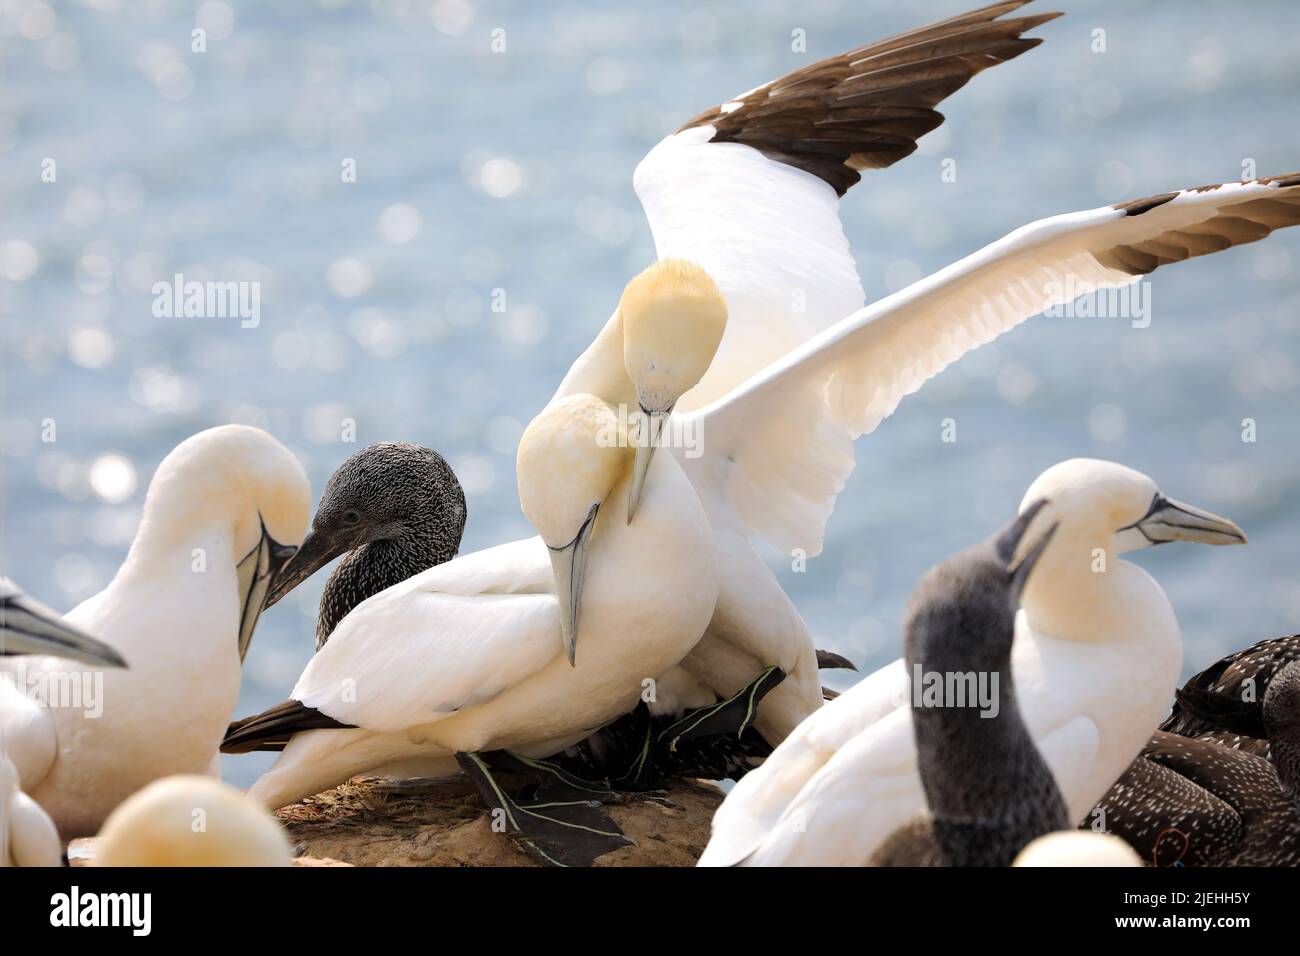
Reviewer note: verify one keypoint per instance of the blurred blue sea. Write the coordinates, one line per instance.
(479, 171)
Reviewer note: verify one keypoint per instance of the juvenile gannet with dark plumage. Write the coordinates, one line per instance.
(987, 788)
(225, 509)
(1244, 675)
(1096, 654)
(28, 836)
(1229, 796)
(395, 509)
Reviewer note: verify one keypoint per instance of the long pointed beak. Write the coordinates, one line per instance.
(256, 574)
(1170, 520)
(1021, 572)
(569, 564)
(316, 551)
(1008, 544)
(29, 627)
(654, 423)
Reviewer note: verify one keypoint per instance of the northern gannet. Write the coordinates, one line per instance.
(461, 659)
(1096, 655)
(187, 820)
(28, 836)
(988, 791)
(395, 509)
(1196, 801)
(226, 508)
(673, 316)
(1078, 848)
(749, 190)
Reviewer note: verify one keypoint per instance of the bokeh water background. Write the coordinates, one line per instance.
(479, 171)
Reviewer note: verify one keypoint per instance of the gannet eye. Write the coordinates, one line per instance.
(352, 516)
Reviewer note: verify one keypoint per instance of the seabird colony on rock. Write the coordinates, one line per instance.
(749, 192)
(752, 328)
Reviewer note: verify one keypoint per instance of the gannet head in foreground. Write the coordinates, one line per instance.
(399, 502)
(570, 458)
(232, 484)
(1078, 848)
(1104, 510)
(29, 627)
(191, 821)
(673, 320)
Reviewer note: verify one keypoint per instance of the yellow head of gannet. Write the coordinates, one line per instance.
(235, 474)
(673, 320)
(570, 458)
(1077, 848)
(191, 821)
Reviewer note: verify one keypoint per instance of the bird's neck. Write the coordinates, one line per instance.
(1085, 594)
(977, 760)
(600, 370)
(375, 567)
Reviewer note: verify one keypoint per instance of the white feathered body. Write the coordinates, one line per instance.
(847, 777)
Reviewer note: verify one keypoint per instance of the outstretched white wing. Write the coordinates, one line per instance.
(777, 450)
(750, 189)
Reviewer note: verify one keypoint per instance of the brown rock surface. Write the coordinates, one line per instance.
(370, 822)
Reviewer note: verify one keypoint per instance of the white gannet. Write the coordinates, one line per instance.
(460, 660)
(988, 791)
(1096, 656)
(28, 836)
(187, 820)
(741, 193)
(1078, 848)
(749, 191)
(225, 510)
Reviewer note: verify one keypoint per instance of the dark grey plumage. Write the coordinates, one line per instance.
(395, 509)
(987, 786)
(1229, 796)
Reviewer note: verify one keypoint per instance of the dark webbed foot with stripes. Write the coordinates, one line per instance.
(557, 818)
(639, 751)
